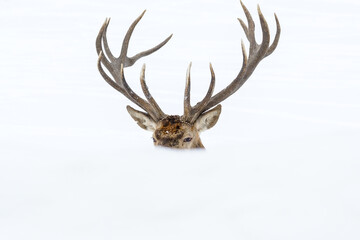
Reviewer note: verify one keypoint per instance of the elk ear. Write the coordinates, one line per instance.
(208, 119)
(142, 119)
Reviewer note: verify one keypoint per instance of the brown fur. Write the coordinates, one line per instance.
(172, 131)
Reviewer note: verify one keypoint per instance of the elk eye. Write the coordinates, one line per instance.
(188, 139)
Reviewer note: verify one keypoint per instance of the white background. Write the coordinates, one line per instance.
(281, 163)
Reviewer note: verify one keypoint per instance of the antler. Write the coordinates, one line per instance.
(257, 52)
(192, 113)
(116, 66)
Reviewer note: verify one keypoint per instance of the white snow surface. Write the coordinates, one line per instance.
(282, 162)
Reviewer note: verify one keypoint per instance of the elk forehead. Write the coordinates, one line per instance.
(171, 130)
(171, 127)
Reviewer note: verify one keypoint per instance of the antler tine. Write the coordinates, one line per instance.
(187, 105)
(149, 51)
(98, 43)
(276, 39)
(148, 95)
(192, 113)
(249, 31)
(99, 48)
(257, 52)
(106, 45)
(199, 107)
(129, 61)
(265, 37)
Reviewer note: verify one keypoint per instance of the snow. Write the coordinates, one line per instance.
(281, 163)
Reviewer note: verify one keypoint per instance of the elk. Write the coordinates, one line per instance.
(176, 131)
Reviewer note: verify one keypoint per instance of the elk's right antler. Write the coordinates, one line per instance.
(116, 66)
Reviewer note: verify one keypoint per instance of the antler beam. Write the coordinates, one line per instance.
(192, 113)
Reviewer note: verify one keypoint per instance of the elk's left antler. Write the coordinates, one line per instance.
(257, 52)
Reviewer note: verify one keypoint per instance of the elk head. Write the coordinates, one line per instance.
(172, 130)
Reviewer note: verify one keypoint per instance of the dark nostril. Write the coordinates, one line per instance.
(154, 140)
